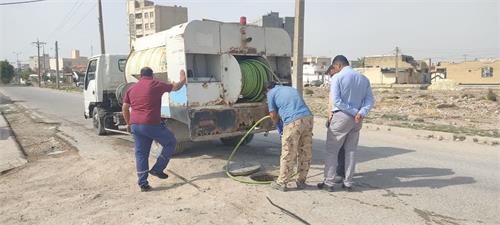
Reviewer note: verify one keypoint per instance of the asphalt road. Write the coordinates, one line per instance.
(401, 179)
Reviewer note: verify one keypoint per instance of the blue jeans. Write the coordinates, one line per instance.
(144, 136)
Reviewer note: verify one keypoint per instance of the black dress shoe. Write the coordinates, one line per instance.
(146, 188)
(327, 187)
(348, 188)
(160, 175)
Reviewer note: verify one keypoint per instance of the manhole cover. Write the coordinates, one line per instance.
(263, 177)
(243, 168)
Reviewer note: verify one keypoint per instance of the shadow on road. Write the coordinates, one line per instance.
(411, 177)
(266, 150)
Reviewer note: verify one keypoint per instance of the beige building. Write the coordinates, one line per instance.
(146, 18)
(44, 62)
(471, 72)
(381, 69)
(75, 63)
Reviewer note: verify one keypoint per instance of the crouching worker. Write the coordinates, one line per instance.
(144, 122)
(286, 104)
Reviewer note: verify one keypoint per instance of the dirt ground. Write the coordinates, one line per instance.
(61, 185)
(465, 112)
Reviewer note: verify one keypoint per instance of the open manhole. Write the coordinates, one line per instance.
(263, 177)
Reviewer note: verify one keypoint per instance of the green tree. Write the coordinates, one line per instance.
(25, 74)
(6, 72)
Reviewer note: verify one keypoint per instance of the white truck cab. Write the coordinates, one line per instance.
(104, 74)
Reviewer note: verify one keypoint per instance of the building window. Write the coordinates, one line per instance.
(146, 15)
(487, 72)
(146, 26)
(151, 14)
(152, 26)
(138, 26)
(138, 15)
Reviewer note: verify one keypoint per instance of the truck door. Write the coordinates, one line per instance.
(89, 88)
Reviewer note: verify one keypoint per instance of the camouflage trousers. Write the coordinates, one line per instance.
(296, 148)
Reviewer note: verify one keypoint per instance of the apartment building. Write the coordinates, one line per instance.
(146, 18)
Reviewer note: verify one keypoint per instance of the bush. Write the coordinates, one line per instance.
(308, 92)
(6, 72)
(491, 96)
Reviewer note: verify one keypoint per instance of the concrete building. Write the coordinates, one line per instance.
(315, 68)
(381, 69)
(470, 72)
(44, 62)
(146, 18)
(273, 19)
(75, 63)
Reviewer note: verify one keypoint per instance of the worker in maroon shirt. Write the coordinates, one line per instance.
(144, 122)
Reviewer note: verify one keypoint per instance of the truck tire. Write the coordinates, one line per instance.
(233, 141)
(98, 121)
(179, 147)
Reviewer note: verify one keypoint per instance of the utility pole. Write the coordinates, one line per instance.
(57, 66)
(298, 46)
(18, 66)
(37, 44)
(101, 28)
(396, 59)
(43, 63)
(465, 57)
(91, 50)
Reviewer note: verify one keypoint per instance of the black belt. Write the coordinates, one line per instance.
(335, 111)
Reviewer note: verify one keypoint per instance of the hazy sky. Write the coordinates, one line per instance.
(440, 29)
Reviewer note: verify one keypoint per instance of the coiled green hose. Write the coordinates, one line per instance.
(255, 75)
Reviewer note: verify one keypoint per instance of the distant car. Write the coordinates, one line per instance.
(316, 83)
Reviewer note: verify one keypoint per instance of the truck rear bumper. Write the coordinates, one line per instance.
(209, 123)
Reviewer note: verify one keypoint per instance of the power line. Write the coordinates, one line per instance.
(67, 17)
(24, 2)
(85, 16)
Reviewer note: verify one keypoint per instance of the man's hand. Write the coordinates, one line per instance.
(128, 128)
(358, 118)
(182, 80)
(182, 77)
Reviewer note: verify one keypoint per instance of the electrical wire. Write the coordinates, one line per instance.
(23, 2)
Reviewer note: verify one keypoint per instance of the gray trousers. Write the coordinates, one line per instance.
(343, 131)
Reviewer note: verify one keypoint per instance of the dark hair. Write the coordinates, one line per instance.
(329, 69)
(146, 71)
(340, 59)
(270, 85)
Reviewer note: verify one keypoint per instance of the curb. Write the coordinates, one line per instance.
(11, 155)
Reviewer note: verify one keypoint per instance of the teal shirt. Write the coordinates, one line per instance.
(288, 103)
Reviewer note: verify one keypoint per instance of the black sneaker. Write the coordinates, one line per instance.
(327, 187)
(160, 175)
(146, 188)
(348, 188)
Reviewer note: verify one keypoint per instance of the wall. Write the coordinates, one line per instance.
(376, 76)
(167, 16)
(387, 61)
(471, 72)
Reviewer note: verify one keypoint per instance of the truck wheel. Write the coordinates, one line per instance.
(233, 141)
(98, 121)
(179, 147)
(182, 146)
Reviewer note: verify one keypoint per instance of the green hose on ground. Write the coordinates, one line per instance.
(236, 149)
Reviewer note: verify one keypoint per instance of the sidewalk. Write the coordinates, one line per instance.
(11, 155)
